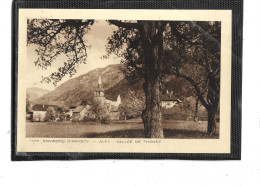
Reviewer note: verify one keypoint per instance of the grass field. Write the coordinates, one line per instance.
(118, 129)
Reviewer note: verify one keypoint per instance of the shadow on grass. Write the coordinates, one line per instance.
(139, 133)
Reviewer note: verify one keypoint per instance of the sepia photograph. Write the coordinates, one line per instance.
(105, 81)
(123, 79)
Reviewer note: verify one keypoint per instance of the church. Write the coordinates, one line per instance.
(112, 105)
(83, 110)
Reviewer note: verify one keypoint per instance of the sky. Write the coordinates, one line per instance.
(97, 38)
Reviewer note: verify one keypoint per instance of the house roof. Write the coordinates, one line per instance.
(86, 102)
(73, 107)
(41, 107)
(170, 97)
(79, 108)
(49, 102)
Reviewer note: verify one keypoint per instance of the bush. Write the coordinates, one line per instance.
(106, 120)
(75, 118)
(87, 119)
(62, 117)
(50, 114)
(29, 117)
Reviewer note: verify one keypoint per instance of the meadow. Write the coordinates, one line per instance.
(117, 129)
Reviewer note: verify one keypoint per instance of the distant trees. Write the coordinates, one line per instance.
(50, 114)
(28, 103)
(100, 111)
(131, 106)
(61, 116)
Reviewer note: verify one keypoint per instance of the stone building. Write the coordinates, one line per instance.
(83, 110)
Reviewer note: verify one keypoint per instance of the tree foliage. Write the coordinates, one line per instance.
(56, 37)
(150, 50)
(196, 58)
(28, 103)
(50, 114)
(100, 110)
(131, 106)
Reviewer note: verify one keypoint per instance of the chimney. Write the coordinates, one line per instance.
(42, 102)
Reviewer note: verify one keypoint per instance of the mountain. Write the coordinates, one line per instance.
(82, 88)
(75, 90)
(35, 93)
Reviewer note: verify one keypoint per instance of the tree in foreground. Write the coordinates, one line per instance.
(196, 58)
(147, 50)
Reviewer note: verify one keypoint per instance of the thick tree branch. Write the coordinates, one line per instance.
(197, 89)
(124, 24)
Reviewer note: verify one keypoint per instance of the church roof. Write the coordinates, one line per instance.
(86, 102)
(79, 108)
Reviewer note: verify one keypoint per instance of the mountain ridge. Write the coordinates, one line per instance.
(80, 88)
(34, 93)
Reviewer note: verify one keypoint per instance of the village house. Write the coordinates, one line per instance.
(168, 100)
(81, 111)
(72, 108)
(39, 111)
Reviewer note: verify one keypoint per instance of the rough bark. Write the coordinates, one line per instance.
(152, 116)
(211, 122)
(153, 51)
(213, 102)
(196, 117)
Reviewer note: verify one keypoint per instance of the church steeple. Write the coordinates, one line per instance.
(99, 82)
(99, 92)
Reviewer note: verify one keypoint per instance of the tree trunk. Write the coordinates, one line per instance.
(152, 115)
(151, 34)
(213, 99)
(212, 121)
(196, 110)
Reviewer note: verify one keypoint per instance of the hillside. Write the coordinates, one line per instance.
(81, 88)
(35, 93)
(73, 91)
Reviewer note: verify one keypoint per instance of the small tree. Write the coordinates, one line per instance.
(61, 116)
(50, 114)
(100, 110)
(131, 106)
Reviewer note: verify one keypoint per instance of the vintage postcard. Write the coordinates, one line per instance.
(124, 81)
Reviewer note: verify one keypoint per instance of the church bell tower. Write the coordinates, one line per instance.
(99, 92)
